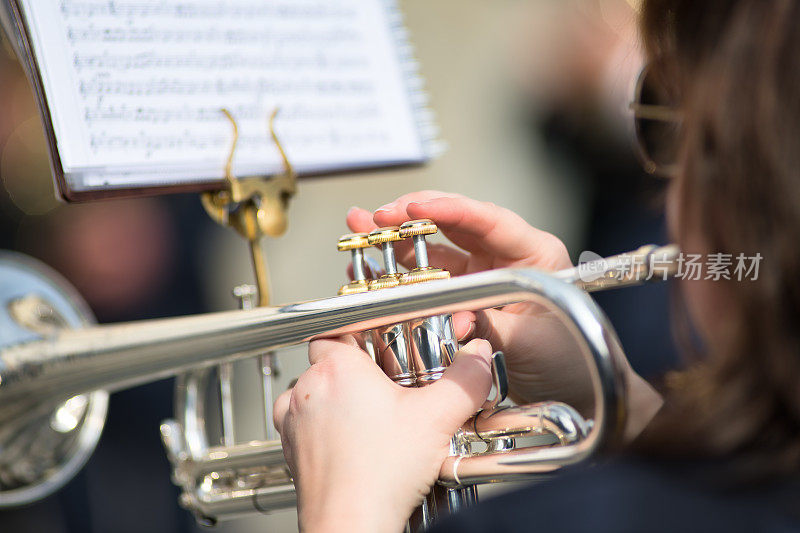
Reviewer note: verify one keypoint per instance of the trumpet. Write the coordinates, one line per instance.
(57, 367)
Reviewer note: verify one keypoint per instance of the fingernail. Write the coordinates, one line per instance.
(469, 332)
(387, 207)
(483, 347)
(352, 209)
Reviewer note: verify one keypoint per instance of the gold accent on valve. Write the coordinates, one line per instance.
(413, 228)
(355, 287)
(353, 241)
(387, 281)
(385, 238)
(383, 235)
(421, 275)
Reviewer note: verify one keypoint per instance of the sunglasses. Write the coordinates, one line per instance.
(657, 123)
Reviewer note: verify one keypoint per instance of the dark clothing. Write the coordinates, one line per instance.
(634, 496)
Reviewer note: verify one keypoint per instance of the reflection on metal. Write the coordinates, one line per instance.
(38, 374)
(44, 440)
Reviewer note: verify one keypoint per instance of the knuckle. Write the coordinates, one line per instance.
(553, 243)
(313, 379)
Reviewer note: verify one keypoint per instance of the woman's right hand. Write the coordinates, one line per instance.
(544, 361)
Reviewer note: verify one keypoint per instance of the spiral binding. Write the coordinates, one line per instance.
(424, 117)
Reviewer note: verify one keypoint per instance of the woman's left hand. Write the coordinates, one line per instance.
(363, 450)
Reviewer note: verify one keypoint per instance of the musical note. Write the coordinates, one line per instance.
(148, 79)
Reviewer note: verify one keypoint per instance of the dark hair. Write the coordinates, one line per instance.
(735, 67)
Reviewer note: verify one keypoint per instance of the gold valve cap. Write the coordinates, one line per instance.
(413, 228)
(354, 287)
(382, 235)
(352, 241)
(387, 281)
(421, 275)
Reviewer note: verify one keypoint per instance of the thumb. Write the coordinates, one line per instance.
(463, 387)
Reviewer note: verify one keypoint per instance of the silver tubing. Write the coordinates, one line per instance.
(433, 344)
(389, 261)
(124, 355)
(225, 371)
(357, 255)
(555, 418)
(267, 368)
(648, 263)
(420, 251)
(393, 354)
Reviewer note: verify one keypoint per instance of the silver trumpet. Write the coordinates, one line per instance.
(57, 368)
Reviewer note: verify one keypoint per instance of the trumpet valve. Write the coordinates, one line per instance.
(387, 281)
(416, 230)
(384, 238)
(422, 275)
(355, 244)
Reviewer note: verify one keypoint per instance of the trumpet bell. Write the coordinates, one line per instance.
(41, 451)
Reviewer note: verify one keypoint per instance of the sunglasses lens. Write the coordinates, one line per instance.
(657, 126)
(659, 142)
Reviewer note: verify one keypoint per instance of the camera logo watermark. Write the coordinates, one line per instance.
(591, 266)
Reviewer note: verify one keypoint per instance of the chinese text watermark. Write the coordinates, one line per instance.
(684, 266)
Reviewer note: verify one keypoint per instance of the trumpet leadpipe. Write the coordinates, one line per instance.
(648, 263)
(113, 357)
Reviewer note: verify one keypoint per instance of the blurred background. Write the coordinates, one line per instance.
(531, 97)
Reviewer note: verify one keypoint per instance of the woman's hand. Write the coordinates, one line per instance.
(544, 361)
(364, 451)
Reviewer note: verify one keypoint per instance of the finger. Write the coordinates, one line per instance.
(343, 346)
(280, 408)
(439, 256)
(464, 386)
(464, 325)
(360, 220)
(394, 213)
(486, 228)
(540, 333)
(499, 328)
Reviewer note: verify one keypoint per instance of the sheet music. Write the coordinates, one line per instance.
(135, 87)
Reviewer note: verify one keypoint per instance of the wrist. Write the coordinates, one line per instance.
(351, 514)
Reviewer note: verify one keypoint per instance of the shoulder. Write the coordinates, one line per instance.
(627, 496)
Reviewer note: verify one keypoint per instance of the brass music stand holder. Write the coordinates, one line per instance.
(254, 206)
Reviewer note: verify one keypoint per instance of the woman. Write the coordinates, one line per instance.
(723, 453)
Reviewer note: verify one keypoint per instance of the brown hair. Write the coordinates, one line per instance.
(735, 67)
